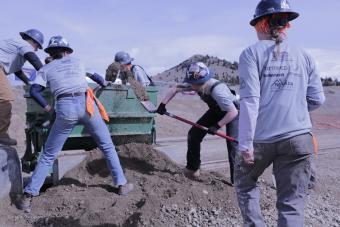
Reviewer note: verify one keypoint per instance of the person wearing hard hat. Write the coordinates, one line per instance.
(138, 72)
(222, 111)
(74, 103)
(13, 55)
(279, 85)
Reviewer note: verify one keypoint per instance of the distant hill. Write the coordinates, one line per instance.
(223, 70)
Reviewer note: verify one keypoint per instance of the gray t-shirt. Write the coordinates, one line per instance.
(140, 75)
(64, 76)
(221, 94)
(281, 89)
(12, 53)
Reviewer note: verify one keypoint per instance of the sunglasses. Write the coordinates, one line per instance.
(278, 21)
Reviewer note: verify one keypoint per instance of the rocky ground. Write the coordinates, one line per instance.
(163, 196)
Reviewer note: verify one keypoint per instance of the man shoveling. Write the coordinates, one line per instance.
(222, 112)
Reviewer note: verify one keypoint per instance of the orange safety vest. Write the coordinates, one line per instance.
(90, 100)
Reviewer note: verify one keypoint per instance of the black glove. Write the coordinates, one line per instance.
(161, 109)
(213, 129)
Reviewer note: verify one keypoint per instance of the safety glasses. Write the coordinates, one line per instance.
(278, 20)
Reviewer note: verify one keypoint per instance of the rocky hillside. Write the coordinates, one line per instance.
(223, 70)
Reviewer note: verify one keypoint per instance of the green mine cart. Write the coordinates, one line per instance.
(129, 122)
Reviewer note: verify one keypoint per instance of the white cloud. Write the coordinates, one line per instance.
(164, 54)
(327, 61)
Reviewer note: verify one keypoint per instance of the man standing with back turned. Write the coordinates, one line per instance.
(74, 103)
(279, 85)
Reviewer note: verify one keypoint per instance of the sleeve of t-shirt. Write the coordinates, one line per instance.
(41, 78)
(247, 122)
(315, 93)
(24, 48)
(140, 76)
(249, 75)
(224, 98)
(250, 95)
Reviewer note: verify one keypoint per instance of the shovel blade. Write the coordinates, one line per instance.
(149, 106)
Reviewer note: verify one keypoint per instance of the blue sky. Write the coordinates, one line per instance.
(162, 33)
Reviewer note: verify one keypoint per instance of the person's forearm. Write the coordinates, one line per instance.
(34, 60)
(35, 94)
(22, 76)
(315, 101)
(230, 115)
(170, 95)
(247, 122)
(96, 78)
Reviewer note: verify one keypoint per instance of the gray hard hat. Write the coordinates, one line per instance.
(123, 58)
(35, 35)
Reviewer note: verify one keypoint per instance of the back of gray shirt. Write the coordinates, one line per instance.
(221, 94)
(140, 75)
(283, 86)
(12, 53)
(64, 76)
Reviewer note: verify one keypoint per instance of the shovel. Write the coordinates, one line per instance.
(149, 106)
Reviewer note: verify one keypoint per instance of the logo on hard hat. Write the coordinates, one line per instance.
(271, 10)
(285, 5)
(197, 71)
(55, 41)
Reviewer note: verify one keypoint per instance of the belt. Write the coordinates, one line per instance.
(70, 95)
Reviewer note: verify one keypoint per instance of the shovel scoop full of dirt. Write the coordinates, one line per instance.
(116, 70)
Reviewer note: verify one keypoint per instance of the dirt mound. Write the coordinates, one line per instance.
(163, 196)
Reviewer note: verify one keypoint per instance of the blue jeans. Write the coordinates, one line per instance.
(70, 111)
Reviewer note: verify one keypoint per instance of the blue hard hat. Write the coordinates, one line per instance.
(269, 7)
(123, 58)
(197, 73)
(34, 34)
(58, 42)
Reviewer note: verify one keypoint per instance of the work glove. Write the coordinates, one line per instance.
(213, 129)
(161, 109)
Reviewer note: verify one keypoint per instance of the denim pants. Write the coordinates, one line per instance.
(291, 159)
(196, 135)
(69, 112)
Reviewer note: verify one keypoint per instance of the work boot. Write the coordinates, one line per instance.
(25, 201)
(125, 189)
(192, 174)
(8, 141)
